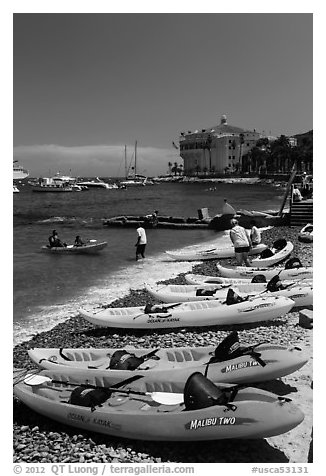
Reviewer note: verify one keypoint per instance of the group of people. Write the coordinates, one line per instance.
(243, 240)
(55, 242)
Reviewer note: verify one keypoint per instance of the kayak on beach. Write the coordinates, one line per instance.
(205, 280)
(212, 253)
(190, 314)
(274, 255)
(88, 248)
(301, 294)
(306, 233)
(302, 272)
(229, 361)
(158, 410)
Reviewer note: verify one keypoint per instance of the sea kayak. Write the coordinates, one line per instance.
(306, 233)
(249, 272)
(159, 410)
(89, 248)
(212, 253)
(301, 294)
(254, 363)
(277, 255)
(189, 314)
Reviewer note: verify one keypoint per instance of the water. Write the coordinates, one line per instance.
(49, 288)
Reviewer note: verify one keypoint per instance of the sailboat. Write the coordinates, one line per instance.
(135, 179)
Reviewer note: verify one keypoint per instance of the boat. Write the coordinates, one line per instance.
(262, 220)
(300, 273)
(19, 173)
(212, 253)
(134, 180)
(158, 410)
(177, 223)
(306, 233)
(51, 184)
(97, 183)
(223, 363)
(190, 314)
(301, 294)
(15, 189)
(92, 247)
(205, 280)
(274, 255)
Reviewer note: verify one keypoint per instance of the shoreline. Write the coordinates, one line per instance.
(40, 440)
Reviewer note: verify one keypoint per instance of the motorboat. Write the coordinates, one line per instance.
(51, 184)
(98, 183)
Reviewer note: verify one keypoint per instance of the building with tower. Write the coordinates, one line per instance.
(217, 149)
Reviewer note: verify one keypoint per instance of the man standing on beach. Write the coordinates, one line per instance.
(241, 242)
(141, 242)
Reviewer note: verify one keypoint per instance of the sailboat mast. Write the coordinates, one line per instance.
(126, 172)
(135, 158)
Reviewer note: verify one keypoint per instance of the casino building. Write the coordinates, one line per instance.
(218, 149)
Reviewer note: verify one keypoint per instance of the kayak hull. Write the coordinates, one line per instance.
(302, 295)
(276, 258)
(213, 253)
(269, 273)
(182, 361)
(71, 249)
(306, 233)
(192, 314)
(256, 413)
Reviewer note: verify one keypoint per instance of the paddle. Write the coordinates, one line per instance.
(165, 398)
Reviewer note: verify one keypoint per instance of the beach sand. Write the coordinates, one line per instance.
(40, 440)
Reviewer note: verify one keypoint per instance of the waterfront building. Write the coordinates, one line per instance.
(217, 149)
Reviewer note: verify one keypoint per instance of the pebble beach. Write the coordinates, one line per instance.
(40, 440)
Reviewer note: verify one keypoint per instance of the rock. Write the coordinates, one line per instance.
(306, 318)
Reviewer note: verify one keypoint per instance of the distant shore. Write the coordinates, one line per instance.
(39, 439)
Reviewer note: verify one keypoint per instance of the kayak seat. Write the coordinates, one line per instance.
(200, 392)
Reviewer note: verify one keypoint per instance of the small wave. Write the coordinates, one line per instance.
(134, 276)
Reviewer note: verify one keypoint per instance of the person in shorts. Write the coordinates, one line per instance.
(141, 242)
(241, 242)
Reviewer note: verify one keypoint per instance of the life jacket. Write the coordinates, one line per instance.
(123, 360)
(200, 392)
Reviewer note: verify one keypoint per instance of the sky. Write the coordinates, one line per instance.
(87, 84)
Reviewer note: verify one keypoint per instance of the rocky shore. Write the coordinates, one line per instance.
(40, 440)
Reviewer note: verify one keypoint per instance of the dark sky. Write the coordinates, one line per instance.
(86, 84)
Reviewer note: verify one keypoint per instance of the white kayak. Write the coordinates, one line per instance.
(306, 233)
(92, 247)
(249, 272)
(302, 295)
(277, 257)
(212, 253)
(190, 314)
(224, 363)
(158, 410)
